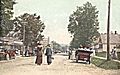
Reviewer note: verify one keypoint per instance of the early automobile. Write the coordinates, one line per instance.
(83, 55)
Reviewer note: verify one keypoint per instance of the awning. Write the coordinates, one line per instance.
(18, 42)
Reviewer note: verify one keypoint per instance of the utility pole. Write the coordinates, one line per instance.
(108, 31)
(23, 33)
(0, 12)
(24, 37)
(48, 40)
(0, 18)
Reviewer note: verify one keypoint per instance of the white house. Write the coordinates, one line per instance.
(114, 41)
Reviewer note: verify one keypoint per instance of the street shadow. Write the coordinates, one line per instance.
(79, 62)
(27, 64)
(62, 54)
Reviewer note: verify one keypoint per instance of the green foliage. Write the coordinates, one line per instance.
(30, 25)
(105, 64)
(56, 46)
(0, 30)
(84, 25)
(6, 15)
(101, 54)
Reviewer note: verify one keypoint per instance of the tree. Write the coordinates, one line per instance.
(56, 46)
(6, 7)
(28, 27)
(84, 25)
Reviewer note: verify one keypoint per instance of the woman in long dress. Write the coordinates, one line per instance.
(39, 55)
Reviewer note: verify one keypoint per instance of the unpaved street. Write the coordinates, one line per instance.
(60, 66)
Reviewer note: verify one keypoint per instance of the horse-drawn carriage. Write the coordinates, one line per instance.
(83, 55)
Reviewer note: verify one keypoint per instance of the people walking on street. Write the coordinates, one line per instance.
(39, 54)
(49, 54)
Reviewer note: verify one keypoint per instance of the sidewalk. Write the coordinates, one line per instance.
(106, 58)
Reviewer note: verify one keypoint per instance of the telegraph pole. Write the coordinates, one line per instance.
(24, 37)
(0, 18)
(24, 33)
(0, 12)
(108, 31)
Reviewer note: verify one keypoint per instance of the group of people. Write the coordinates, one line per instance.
(39, 54)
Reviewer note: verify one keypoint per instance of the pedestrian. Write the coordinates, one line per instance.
(49, 54)
(26, 52)
(39, 54)
(69, 54)
(114, 53)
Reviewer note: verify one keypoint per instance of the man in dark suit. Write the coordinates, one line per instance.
(49, 54)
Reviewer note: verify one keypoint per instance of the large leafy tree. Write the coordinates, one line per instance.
(6, 7)
(28, 27)
(84, 25)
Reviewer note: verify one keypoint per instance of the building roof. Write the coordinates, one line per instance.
(11, 41)
(114, 38)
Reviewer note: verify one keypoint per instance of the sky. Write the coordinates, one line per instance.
(55, 14)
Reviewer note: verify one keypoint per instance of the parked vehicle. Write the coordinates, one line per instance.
(7, 54)
(3, 56)
(83, 55)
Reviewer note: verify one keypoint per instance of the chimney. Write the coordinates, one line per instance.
(115, 32)
(111, 32)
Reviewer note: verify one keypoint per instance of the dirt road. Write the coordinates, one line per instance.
(60, 66)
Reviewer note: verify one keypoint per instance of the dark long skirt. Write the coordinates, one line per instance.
(38, 60)
(49, 59)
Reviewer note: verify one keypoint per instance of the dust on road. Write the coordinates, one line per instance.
(60, 66)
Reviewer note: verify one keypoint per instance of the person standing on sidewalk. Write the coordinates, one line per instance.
(114, 53)
(49, 54)
(39, 54)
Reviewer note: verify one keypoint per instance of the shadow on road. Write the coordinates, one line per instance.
(80, 62)
(27, 64)
(62, 54)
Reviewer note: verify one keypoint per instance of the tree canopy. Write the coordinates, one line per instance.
(84, 25)
(6, 13)
(28, 27)
(56, 46)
